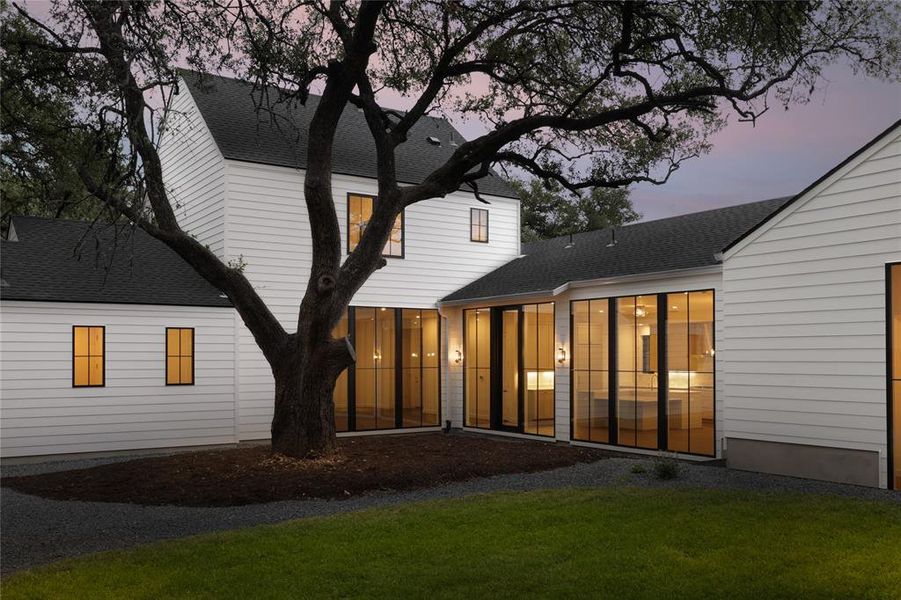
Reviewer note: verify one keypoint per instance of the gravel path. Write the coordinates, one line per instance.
(37, 531)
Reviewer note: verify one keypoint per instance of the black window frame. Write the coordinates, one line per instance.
(494, 351)
(88, 356)
(180, 356)
(889, 379)
(472, 212)
(403, 226)
(351, 383)
(612, 335)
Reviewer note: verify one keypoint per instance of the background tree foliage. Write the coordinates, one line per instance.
(548, 211)
(40, 148)
(581, 94)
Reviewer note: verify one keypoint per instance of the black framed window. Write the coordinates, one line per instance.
(477, 367)
(179, 356)
(690, 372)
(340, 396)
(590, 366)
(893, 371)
(359, 212)
(396, 380)
(508, 368)
(478, 225)
(88, 356)
(643, 371)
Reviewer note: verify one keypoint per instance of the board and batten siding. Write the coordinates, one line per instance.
(194, 173)
(805, 312)
(42, 413)
(267, 229)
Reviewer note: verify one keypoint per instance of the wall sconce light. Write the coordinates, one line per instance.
(459, 358)
(561, 355)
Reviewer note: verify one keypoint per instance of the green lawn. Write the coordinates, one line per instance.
(618, 543)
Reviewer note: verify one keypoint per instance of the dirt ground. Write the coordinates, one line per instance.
(252, 474)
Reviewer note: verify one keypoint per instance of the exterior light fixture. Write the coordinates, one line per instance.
(561, 355)
(459, 358)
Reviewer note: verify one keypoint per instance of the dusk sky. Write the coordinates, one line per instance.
(784, 153)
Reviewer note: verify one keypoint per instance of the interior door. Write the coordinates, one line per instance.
(509, 359)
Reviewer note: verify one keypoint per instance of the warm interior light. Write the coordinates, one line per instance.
(539, 380)
(640, 312)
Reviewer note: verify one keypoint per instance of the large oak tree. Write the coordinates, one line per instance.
(583, 94)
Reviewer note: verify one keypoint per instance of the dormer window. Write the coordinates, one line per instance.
(359, 211)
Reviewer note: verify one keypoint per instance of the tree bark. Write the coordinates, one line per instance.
(303, 424)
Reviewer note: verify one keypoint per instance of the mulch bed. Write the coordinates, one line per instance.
(253, 475)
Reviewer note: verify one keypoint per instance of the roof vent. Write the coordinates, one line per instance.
(433, 140)
(718, 257)
(612, 238)
(569, 244)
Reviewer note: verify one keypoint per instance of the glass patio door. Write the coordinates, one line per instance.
(509, 359)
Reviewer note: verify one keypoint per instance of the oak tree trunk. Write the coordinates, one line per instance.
(303, 425)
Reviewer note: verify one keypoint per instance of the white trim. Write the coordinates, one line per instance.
(799, 201)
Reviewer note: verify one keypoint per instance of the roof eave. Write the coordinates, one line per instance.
(633, 278)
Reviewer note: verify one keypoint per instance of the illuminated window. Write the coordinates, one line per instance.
(591, 370)
(893, 302)
(340, 395)
(359, 211)
(643, 401)
(478, 225)
(88, 366)
(477, 367)
(179, 356)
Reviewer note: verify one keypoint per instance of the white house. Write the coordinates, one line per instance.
(759, 333)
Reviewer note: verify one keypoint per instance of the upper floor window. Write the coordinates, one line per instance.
(478, 225)
(359, 211)
(88, 356)
(179, 356)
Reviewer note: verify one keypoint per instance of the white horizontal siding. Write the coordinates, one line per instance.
(267, 227)
(194, 173)
(41, 413)
(805, 312)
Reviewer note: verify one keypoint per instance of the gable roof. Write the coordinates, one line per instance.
(794, 199)
(278, 136)
(682, 242)
(65, 261)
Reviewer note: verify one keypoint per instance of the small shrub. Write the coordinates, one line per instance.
(638, 469)
(666, 467)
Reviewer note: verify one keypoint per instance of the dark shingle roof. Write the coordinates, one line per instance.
(682, 242)
(58, 260)
(278, 135)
